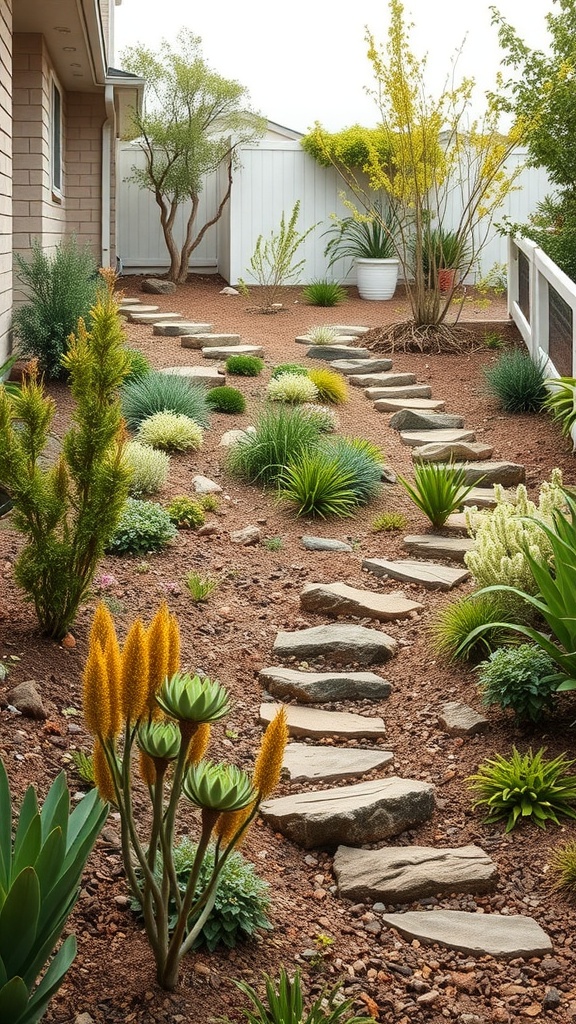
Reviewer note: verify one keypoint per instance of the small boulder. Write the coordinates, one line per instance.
(459, 719)
(26, 699)
(157, 286)
(249, 535)
(202, 485)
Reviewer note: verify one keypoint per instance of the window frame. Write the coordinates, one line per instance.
(56, 148)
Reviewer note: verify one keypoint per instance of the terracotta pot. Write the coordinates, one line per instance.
(446, 279)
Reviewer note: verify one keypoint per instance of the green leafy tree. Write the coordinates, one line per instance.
(193, 122)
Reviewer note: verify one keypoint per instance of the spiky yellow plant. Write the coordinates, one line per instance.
(103, 779)
(173, 646)
(199, 743)
(96, 693)
(135, 662)
(158, 642)
(113, 660)
(331, 386)
(268, 765)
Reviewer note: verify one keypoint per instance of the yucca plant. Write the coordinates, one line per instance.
(560, 402)
(285, 1004)
(437, 490)
(315, 485)
(324, 293)
(525, 786)
(470, 628)
(163, 392)
(331, 386)
(41, 864)
(282, 435)
(517, 382)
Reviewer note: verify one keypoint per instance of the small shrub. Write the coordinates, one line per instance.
(519, 678)
(138, 365)
(200, 587)
(186, 513)
(324, 293)
(282, 435)
(289, 368)
(316, 485)
(325, 419)
(517, 382)
(525, 786)
(387, 521)
(331, 386)
(209, 502)
(225, 399)
(322, 335)
(494, 340)
(357, 459)
(560, 402)
(285, 1004)
(292, 388)
(453, 625)
(244, 366)
(171, 432)
(163, 392)
(148, 467)
(562, 863)
(438, 490)
(144, 526)
(273, 543)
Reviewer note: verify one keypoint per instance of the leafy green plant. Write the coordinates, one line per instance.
(522, 678)
(359, 457)
(389, 521)
(138, 363)
(361, 237)
(282, 434)
(324, 419)
(209, 502)
(331, 386)
(315, 485)
(62, 288)
(525, 786)
(367, 447)
(438, 490)
(273, 263)
(441, 250)
(289, 368)
(68, 512)
(273, 543)
(226, 399)
(163, 392)
(200, 587)
(562, 864)
(143, 526)
(244, 366)
(560, 402)
(292, 388)
(322, 335)
(285, 1004)
(186, 513)
(11, 387)
(470, 627)
(171, 431)
(517, 382)
(324, 293)
(495, 280)
(40, 870)
(84, 765)
(148, 468)
(492, 339)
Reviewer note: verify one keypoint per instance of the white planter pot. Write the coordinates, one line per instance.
(376, 279)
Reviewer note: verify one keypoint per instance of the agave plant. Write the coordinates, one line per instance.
(285, 1004)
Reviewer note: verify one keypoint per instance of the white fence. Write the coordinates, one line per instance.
(273, 176)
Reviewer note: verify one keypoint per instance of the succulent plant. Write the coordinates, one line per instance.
(191, 699)
(218, 787)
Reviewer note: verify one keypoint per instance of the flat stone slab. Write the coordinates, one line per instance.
(348, 366)
(323, 687)
(367, 812)
(417, 438)
(432, 545)
(480, 497)
(354, 331)
(428, 574)
(400, 874)
(381, 380)
(459, 719)
(137, 307)
(396, 404)
(176, 328)
(325, 544)
(407, 391)
(223, 351)
(331, 352)
(210, 340)
(317, 724)
(509, 474)
(211, 376)
(152, 318)
(338, 643)
(467, 451)
(126, 300)
(306, 762)
(337, 339)
(476, 934)
(340, 599)
(412, 419)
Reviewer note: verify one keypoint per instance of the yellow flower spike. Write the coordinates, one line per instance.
(102, 626)
(199, 743)
(96, 693)
(102, 774)
(113, 660)
(268, 764)
(134, 693)
(147, 768)
(229, 822)
(173, 646)
(158, 636)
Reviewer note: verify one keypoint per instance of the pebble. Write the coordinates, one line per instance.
(552, 999)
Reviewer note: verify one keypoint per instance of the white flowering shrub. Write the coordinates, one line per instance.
(293, 388)
(148, 467)
(171, 431)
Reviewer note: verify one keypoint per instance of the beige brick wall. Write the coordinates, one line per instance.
(5, 175)
(85, 115)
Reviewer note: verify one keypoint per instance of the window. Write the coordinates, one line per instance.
(56, 140)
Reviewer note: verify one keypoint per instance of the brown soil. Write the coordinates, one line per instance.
(231, 637)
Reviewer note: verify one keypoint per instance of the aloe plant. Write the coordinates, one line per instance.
(40, 871)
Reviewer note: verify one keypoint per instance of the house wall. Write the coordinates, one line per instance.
(85, 115)
(5, 175)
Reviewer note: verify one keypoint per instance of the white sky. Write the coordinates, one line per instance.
(309, 62)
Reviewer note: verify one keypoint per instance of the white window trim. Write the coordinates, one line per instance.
(56, 131)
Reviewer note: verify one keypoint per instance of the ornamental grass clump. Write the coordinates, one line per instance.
(331, 386)
(324, 293)
(331, 480)
(143, 526)
(324, 418)
(226, 399)
(437, 490)
(171, 432)
(522, 678)
(470, 628)
(285, 1004)
(145, 714)
(244, 366)
(525, 786)
(292, 388)
(517, 382)
(562, 864)
(322, 335)
(200, 587)
(148, 468)
(289, 368)
(282, 434)
(138, 364)
(163, 392)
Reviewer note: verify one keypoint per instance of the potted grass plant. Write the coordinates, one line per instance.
(443, 255)
(369, 242)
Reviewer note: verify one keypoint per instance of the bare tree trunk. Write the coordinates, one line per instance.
(191, 243)
(167, 217)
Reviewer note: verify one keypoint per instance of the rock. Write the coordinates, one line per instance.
(317, 724)
(157, 286)
(348, 366)
(412, 419)
(367, 812)
(552, 999)
(481, 498)
(137, 307)
(228, 290)
(460, 720)
(83, 1018)
(223, 351)
(212, 340)
(209, 376)
(388, 476)
(476, 934)
(179, 327)
(340, 599)
(353, 331)
(435, 546)
(249, 535)
(381, 380)
(325, 544)
(509, 474)
(423, 404)
(202, 485)
(336, 351)
(26, 699)
(407, 391)
(323, 687)
(231, 437)
(417, 438)
(428, 574)
(305, 762)
(338, 643)
(137, 317)
(465, 450)
(404, 873)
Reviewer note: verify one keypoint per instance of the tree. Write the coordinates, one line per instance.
(193, 122)
(440, 172)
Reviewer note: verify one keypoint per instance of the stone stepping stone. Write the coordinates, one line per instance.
(338, 339)
(210, 376)
(306, 762)
(475, 934)
(338, 643)
(381, 380)
(434, 546)
(127, 301)
(481, 498)
(412, 419)
(467, 451)
(407, 391)
(317, 724)
(400, 874)
(420, 404)
(325, 544)
(331, 352)
(152, 318)
(175, 329)
(459, 719)
(417, 438)
(428, 574)
(348, 366)
(509, 474)
(456, 523)
(223, 351)
(209, 340)
(356, 332)
(340, 599)
(367, 812)
(323, 687)
(137, 307)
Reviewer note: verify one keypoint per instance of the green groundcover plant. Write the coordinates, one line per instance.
(522, 678)
(244, 366)
(186, 513)
(525, 786)
(226, 399)
(144, 526)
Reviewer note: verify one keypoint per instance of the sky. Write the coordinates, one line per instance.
(309, 63)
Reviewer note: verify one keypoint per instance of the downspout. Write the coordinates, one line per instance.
(107, 138)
